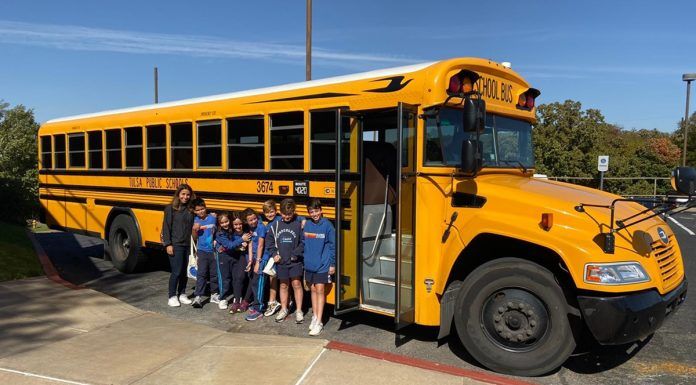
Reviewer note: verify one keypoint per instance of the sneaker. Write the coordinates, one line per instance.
(222, 305)
(280, 317)
(314, 322)
(173, 302)
(184, 299)
(299, 317)
(197, 302)
(234, 307)
(243, 306)
(253, 315)
(215, 298)
(273, 307)
(318, 327)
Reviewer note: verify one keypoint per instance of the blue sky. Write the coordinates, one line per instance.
(624, 58)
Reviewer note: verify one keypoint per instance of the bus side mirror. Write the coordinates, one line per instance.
(471, 159)
(684, 180)
(473, 110)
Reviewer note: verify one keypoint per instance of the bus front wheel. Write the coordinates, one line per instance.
(124, 245)
(512, 317)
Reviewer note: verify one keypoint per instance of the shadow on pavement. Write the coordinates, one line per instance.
(601, 358)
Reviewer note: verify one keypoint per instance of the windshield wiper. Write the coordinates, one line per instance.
(516, 162)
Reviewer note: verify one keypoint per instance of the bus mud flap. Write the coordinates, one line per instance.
(447, 304)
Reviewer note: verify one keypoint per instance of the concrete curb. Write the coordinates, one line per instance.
(47, 265)
(424, 364)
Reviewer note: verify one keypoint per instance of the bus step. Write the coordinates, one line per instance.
(383, 289)
(387, 266)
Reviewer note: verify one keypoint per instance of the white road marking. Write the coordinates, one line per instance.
(44, 377)
(309, 368)
(682, 226)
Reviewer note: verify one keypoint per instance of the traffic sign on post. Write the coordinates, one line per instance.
(603, 163)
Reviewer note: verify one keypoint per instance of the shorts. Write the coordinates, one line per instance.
(313, 278)
(292, 270)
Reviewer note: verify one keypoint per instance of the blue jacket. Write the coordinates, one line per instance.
(319, 246)
(229, 242)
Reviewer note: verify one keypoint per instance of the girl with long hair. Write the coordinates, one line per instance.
(176, 238)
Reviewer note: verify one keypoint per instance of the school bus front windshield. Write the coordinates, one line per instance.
(505, 142)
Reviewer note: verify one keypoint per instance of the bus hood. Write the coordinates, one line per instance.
(560, 199)
(515, 204)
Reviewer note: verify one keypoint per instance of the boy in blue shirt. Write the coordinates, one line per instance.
(203, 231)
(257, 281)
(319, 261)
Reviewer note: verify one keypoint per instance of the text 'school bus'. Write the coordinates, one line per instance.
(441, 222)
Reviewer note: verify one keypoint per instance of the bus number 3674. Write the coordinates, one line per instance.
(263, 186)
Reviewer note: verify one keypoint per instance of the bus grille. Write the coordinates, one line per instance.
(669, 265)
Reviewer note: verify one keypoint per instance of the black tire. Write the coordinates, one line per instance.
(124, 245)
(512, 317)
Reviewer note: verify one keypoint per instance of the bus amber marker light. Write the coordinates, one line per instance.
(615, 273)
(546, 221)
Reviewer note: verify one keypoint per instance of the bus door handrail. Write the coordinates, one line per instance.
(378, 239)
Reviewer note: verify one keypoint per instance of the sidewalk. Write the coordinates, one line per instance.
(52, 334)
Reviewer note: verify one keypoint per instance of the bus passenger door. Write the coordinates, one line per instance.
(347, 197)
(405, 215)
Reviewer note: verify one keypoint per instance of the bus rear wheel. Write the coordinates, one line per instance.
(124, 245)
(512, 317)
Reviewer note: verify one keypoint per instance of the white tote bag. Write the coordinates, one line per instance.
(269, 269)
(192, 268)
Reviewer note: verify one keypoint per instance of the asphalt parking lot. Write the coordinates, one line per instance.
(664, 358)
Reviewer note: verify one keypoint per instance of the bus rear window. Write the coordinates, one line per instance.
(46, 152)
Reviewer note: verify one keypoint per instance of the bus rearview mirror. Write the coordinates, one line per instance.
(684, 180)
(471, 160)
(473, 110)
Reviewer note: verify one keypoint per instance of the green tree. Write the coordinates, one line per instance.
(18, 161)
(568, 141)
(678, 139)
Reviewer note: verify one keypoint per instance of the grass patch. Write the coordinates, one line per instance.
(17, 256)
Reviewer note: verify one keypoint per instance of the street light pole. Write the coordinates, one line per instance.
(156, 86)
(308, 59)
(688, 78)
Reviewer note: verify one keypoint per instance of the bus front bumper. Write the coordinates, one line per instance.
(628, 318)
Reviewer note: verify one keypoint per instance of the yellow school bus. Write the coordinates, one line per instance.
(439, 219)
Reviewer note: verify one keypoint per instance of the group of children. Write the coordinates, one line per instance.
(234, 248)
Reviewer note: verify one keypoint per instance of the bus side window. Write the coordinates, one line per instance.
(113, 149)
(209, 144)
(59, 150)
(182, 145)
(95, 149)
(246, 139)
(323, 140)
(134, 147)
(287, 141)
(156, 147)
(76, 150)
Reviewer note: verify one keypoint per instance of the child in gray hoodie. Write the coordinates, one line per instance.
(286, 247)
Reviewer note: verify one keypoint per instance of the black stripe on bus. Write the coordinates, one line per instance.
(329, 202)
(63, 198)
(306, 97)
(133, 205)
(259, 175)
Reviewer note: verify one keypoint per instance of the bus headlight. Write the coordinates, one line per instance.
(621, 273)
